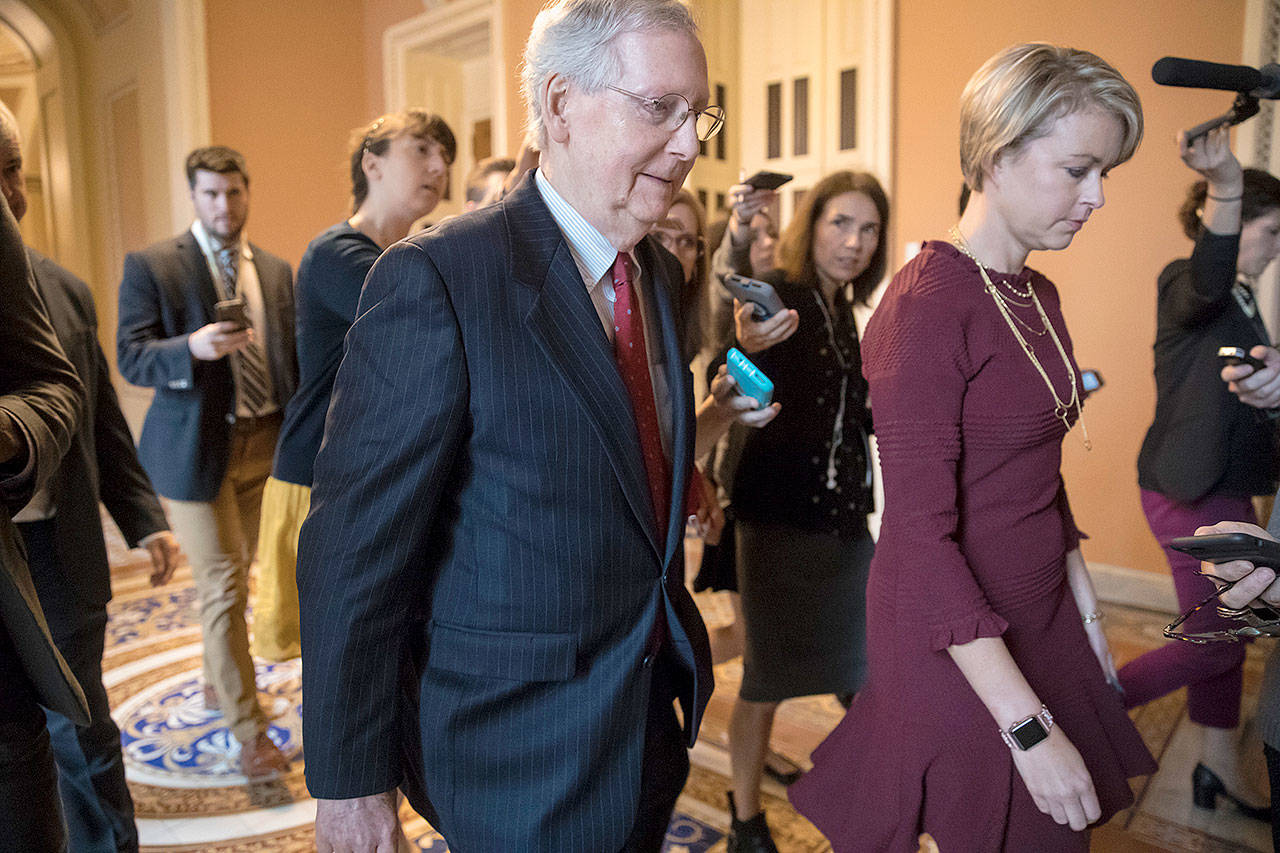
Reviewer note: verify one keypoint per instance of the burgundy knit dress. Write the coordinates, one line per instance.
(973, 543)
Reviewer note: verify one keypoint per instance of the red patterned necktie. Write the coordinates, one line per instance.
(633, 365)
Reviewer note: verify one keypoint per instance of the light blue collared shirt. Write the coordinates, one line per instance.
(595, 256)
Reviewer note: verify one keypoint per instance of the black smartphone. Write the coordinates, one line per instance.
(1091, 380)
(1225, 547)
(760, 293)
(765, 180)
(232, 311)
(1231, 356)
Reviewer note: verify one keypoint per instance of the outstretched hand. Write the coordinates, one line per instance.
(1211, 156)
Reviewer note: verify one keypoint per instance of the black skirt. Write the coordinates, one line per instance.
(804, 598)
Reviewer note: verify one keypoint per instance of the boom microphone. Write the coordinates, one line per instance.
(1196, 74)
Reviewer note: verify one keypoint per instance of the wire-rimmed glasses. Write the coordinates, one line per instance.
(672, 110)
(1258, 621)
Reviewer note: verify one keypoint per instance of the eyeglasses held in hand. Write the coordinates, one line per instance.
(1254, 622)
(672, 110)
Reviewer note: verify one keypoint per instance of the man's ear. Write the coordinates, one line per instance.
(371, 164)
(558, 96)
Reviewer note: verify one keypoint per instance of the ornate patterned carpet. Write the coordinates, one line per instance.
(183, 767)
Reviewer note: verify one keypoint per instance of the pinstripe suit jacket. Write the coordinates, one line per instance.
(481, 534)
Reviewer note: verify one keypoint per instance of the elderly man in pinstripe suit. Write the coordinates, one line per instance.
(491, 577)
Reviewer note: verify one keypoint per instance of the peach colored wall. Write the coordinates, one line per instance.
(286, 86)
(515, 17)
(379, 15)
(1107, 278)
(517, 20)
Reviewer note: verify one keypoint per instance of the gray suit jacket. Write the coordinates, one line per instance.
(40, 391)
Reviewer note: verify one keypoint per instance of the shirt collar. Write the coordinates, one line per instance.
(593, 253)
(210, 244)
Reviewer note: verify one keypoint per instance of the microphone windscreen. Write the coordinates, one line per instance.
(1193, 73)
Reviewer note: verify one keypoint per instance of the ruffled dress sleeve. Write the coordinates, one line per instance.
(916, 360)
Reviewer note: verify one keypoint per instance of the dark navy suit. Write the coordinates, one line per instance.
(481, 533)
(68, 558)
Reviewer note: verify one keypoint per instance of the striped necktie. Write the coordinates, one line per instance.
(250, 364)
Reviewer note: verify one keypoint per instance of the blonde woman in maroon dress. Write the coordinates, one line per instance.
(988, 719)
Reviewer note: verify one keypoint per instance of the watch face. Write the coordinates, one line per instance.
(1029, 733)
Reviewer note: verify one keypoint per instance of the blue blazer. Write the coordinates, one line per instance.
(480, 575)
(166, 294)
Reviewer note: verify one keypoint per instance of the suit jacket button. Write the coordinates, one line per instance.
(231, 419)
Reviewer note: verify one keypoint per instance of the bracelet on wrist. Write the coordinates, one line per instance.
(1091, 617)
(1224, 197)
(1025, 734)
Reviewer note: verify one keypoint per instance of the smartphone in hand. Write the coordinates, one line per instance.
(765, 180)
(232, 311)
(751, 380)
(1231, 356)
(760, 293)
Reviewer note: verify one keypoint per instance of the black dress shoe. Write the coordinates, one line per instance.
(1206, 787)
(748, 836)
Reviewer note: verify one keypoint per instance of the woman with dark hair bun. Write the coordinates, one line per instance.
(1206, 453)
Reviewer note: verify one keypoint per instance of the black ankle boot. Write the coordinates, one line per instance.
(748, 836)
(1206, 787)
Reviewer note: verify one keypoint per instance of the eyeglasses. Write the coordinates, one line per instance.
(673, 239)
(1254, 622)
(672, 110)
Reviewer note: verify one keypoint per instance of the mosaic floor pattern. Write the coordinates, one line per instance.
(182, 763)
(183, 766)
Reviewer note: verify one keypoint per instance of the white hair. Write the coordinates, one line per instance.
(574, 38)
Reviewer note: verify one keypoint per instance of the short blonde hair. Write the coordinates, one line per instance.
(1016, 94)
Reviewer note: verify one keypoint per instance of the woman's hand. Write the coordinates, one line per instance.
(1254, 584)
(746, 201)
(1211, 156)
(1258, 388)
(756, 335)
(1058, 781)
(724, 405)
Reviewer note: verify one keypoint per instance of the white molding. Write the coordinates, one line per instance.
(1134, 587)
(59, 99)
(436, 30)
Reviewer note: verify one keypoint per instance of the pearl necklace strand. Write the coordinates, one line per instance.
(1061, 408)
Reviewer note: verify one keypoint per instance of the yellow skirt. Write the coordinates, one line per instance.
(275, 599)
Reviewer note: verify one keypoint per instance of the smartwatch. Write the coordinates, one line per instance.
(1025, 734)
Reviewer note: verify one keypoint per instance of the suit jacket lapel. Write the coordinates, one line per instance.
(197, 269)
(565, 325)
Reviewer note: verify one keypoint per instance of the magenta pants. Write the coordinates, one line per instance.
(1213, 673)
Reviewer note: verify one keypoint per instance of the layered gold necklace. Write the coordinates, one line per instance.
(1061, 408)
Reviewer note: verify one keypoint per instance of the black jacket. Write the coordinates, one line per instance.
(102, 463)
(1203, 440)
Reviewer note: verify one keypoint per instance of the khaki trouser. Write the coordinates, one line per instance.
(220, 538)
